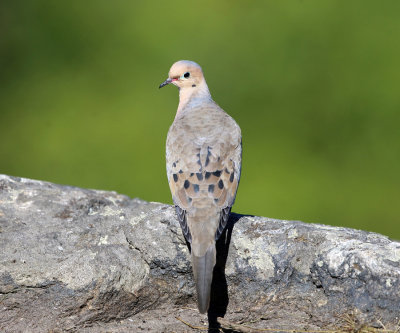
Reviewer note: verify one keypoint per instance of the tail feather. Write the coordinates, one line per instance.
(203, 271)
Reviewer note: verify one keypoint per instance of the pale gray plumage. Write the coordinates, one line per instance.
(203, 154)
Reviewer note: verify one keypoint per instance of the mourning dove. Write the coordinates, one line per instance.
(203, 154)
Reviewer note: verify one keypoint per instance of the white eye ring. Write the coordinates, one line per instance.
(186, 75)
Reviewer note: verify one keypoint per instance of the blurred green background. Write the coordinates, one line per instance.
(313, 84)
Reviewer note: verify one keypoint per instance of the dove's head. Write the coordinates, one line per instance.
(184, 74)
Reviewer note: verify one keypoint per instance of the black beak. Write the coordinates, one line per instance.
(167, 81)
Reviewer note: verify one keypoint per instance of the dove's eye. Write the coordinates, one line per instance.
(186, 75)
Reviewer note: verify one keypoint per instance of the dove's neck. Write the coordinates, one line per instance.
(190, 97)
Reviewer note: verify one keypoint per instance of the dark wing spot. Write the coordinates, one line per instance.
(217, 173)
(208, 174)
(231, 177)
(193, 85)
(211, 188)
(174, 165)
(226, 170)
(186, 184)
(208, 156)
(191, 174)
(175, 177)
(199, 176)
(221, 184)
(180, 171)
(196, 188)
(189, 199)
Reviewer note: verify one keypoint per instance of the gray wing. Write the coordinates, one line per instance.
(181, 214)
(223, 221)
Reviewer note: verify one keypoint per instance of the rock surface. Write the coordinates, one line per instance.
(94, 261)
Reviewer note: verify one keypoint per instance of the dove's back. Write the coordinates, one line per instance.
(203, 166)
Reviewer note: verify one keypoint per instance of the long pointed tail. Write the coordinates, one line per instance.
(203, 272)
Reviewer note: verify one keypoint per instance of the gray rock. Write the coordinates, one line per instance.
(93, 261)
